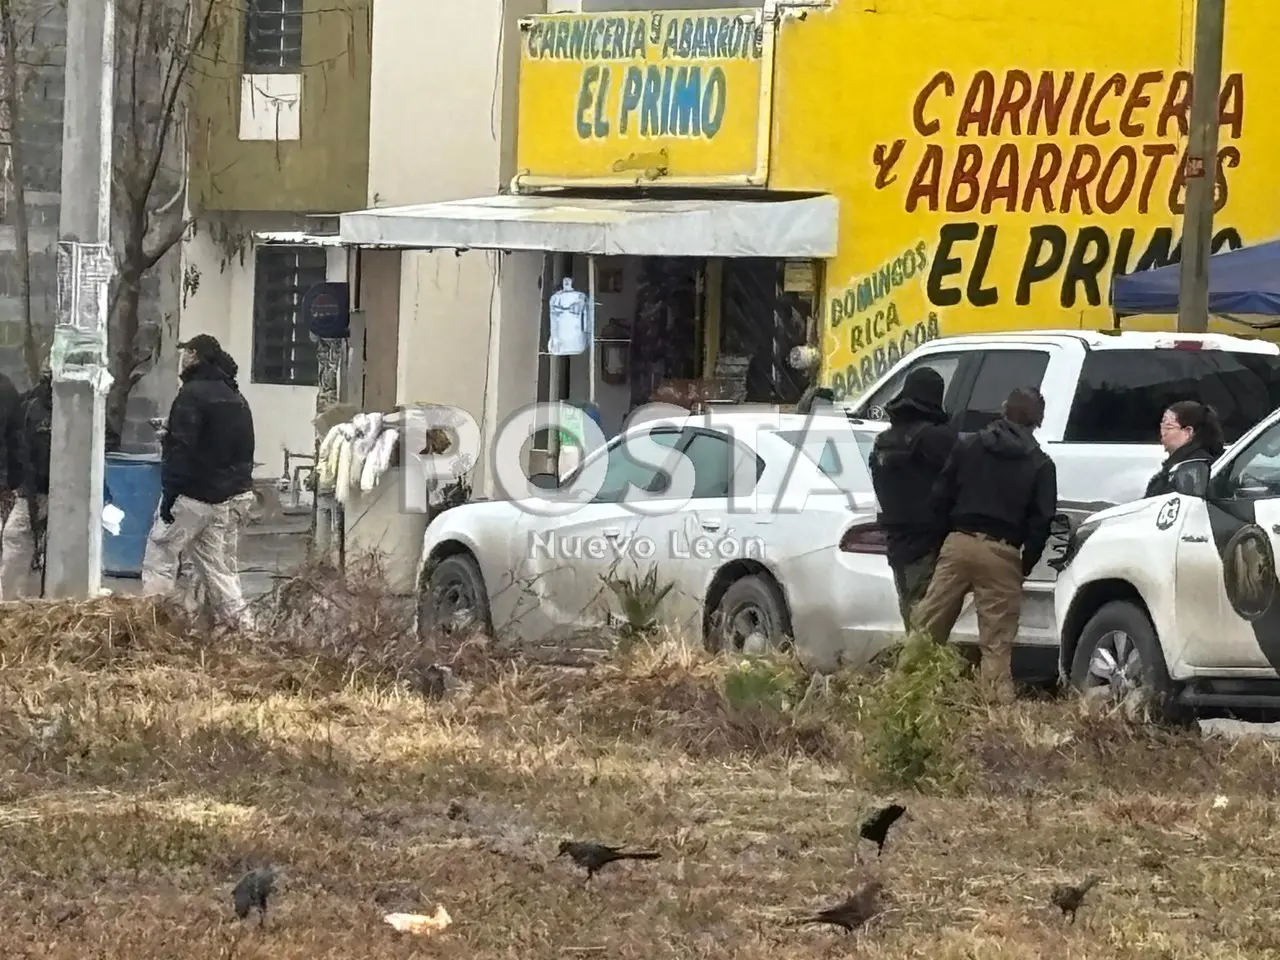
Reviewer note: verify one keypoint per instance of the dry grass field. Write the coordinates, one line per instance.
(143, 772)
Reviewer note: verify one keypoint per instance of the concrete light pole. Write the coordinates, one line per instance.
(1201, 169)
(73, 553)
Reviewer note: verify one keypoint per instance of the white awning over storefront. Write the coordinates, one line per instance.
(771, 226)
(297, 238)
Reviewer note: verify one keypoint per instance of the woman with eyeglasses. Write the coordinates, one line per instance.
(1188, 431)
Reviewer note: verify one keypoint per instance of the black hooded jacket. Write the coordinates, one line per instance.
(999, 483)
(207, 451)
(10, 435)
(34, 438)
(1195, 450)
(906, 459)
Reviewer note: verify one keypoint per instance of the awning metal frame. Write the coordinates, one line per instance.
(751, 225)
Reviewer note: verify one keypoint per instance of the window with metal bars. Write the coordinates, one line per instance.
(283, 350)
(273, 36)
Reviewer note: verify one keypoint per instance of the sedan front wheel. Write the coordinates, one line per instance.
(453, 600)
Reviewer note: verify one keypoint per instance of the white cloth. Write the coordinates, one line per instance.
(368, 431)
(570, 322)
(356, 454)
(379, 459)
(330, 438)
(342, 477)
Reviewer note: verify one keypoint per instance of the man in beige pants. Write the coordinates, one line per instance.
(206, 481)
(997, 494)
(201, 541)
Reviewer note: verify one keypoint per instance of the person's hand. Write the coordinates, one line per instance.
(166, 511)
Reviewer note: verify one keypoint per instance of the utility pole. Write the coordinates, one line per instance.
(1201, 169)
(73, 552)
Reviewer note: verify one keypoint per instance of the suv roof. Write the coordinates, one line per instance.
(770, 416)
(1119, 340)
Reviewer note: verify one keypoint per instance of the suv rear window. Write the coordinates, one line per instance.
(1122, 393)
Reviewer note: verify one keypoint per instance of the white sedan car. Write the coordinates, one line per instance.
(763, 524)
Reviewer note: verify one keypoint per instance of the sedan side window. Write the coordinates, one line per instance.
(715, 460)
(1255, 474)
(624, 472)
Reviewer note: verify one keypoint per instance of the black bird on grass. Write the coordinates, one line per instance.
(876, 827)
(432, 681)
(1068, 899)
(595, 856)
(252, 891)
(852, 913)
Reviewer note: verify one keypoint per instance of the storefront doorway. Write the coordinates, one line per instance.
(683, 330)
(698, 298)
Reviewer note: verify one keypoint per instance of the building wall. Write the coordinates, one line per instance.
(380, 304)
(454, 316)
(943, 229)
(221, 255)
(324, 167)
(442, 147)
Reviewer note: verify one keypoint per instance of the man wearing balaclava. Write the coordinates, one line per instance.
(206, 485)
(906, 459)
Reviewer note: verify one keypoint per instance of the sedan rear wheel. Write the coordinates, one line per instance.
(751, 618)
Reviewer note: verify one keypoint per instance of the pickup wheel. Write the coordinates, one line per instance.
(1119, 657)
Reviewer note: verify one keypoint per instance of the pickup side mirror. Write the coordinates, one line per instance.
(1191, 478)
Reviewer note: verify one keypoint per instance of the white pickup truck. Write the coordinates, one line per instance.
(1104, 395)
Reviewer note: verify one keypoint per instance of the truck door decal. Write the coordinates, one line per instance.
(1168, 514)
(1248, 572)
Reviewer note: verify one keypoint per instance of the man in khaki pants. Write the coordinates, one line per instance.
(207, 483)
(998, 494)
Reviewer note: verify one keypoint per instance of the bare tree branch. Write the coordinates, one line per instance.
(166, 242)
(17, 167)
(182, 57)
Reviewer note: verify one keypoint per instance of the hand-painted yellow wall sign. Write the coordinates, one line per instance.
(996, 170)
(666, 97)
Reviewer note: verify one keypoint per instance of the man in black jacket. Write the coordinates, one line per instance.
(28, 446)
(10, 463)
(206, 484)
(999, 493)
(906, 460)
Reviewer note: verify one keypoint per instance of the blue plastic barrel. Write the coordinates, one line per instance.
(134, 482)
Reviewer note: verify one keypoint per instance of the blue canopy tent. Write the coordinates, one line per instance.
(1244, 281)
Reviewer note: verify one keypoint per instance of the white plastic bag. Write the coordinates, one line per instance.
(570, 323)
(112, 517)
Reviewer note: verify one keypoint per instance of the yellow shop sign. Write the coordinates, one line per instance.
(664, 97)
